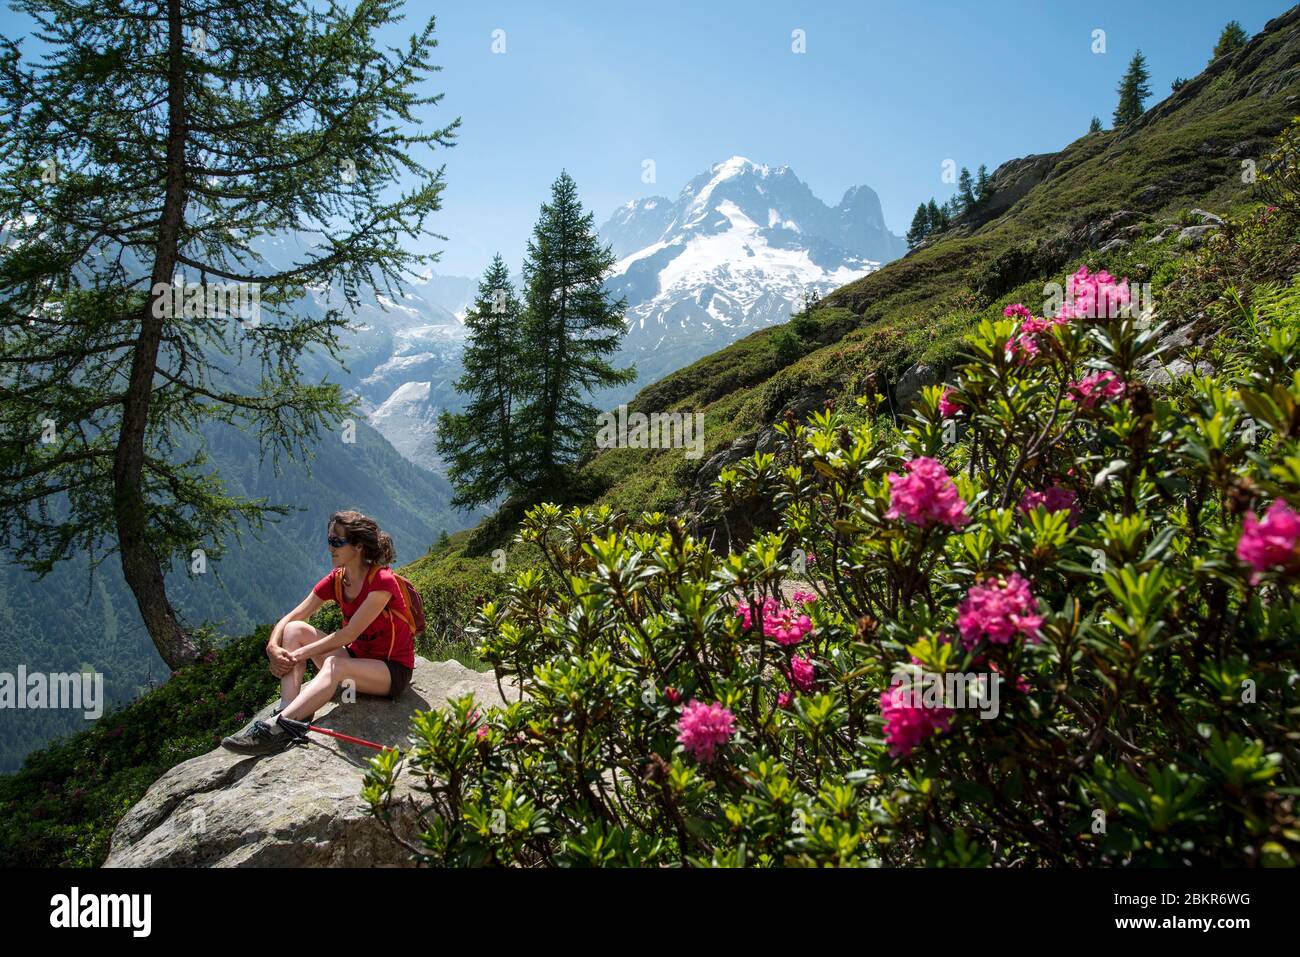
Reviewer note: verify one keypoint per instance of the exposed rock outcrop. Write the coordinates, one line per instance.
(299, 808)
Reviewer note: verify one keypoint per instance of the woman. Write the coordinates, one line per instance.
(375, 648)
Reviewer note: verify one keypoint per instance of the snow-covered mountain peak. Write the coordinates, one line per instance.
(740, 248)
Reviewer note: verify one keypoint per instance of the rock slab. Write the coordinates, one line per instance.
(299, 808)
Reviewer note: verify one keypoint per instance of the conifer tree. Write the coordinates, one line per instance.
(920, 227)
(155, 141)
(481, 444)
(1095, 125)
(983, 186)
(1232, 38)
(937, 217)
(571, 328)
(1133, 91)
(933, 216)
(966, 190)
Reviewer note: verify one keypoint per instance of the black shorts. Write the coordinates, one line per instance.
(398, 673)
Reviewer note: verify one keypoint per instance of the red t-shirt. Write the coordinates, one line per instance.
(388, 636)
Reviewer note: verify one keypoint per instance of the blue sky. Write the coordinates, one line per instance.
(883, 94)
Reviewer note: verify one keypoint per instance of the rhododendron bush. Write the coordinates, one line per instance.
(1109, 566)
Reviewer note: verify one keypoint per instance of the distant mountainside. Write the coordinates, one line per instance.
(739, 249)
(402, 355)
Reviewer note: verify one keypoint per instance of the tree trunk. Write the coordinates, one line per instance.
(140, 564)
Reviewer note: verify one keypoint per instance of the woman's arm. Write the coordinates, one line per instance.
(368, 612)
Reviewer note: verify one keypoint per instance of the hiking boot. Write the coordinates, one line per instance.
(259, 738)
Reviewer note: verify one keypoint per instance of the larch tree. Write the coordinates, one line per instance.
(158, 146)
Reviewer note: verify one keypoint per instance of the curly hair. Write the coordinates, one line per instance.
(364, 532)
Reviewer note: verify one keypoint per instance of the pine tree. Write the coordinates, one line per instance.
(983, 186)
(571, 327)
(480, 444)
(1232, 38)
(965, 190)
(936, 218)
(1178, 83)
(1094, 126)
(164, 139)
(920, 227)
(1133, 91)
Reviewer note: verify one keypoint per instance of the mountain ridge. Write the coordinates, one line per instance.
(740, 248)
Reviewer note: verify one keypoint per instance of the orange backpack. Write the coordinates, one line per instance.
(413, 612)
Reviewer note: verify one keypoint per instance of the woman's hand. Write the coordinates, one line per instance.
(282, 662)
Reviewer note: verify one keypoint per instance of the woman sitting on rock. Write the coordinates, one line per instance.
(375, 648)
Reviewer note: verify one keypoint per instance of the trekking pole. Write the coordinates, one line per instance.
(348, 737)
(304, 726)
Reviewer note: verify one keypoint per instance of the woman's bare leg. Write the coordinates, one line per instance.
(296, 634)
(369, 675)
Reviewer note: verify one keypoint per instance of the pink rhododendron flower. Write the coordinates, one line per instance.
(784, 699)
(481, 733)
(947, 407)
(703, 727)
(1094, 296)
(746, 615)
(997, 611)
(672, 694)
(785, 625)
(925, 495)
(1272, 543)
(906, 726)
(1054, 499)
(1017, 309)
(1100, 385)
(801, 673)
(1025, 342)
(803, 597)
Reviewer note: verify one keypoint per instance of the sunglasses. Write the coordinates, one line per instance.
(336, 542)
